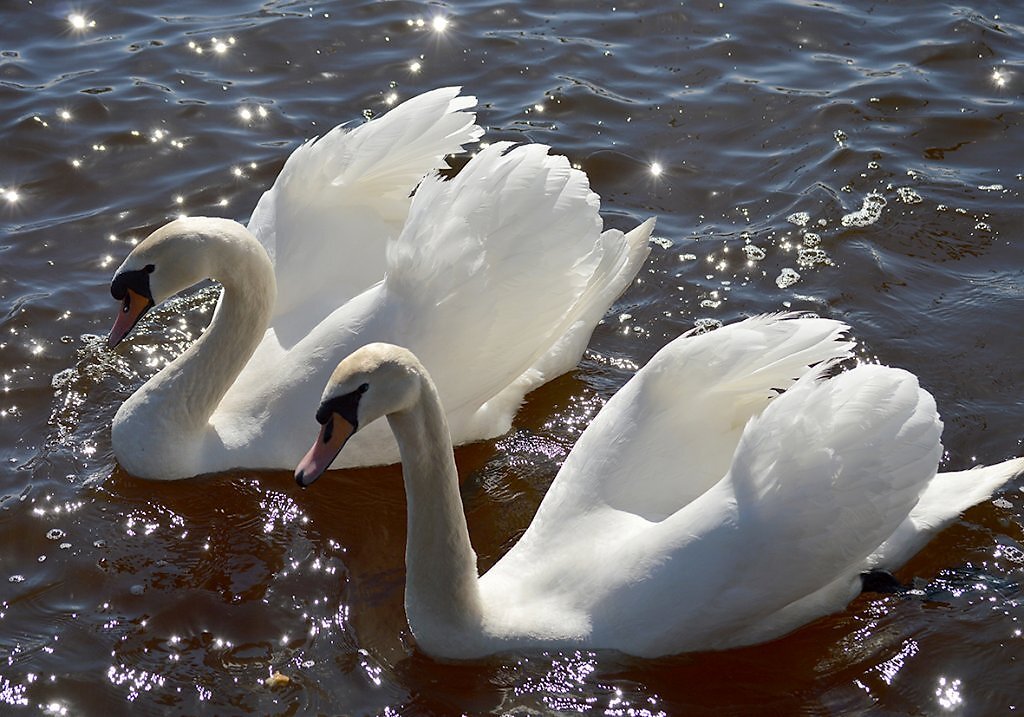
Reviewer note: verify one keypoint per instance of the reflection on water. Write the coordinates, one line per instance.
(856, 161)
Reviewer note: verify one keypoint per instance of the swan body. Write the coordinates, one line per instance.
(700, 509)
(507, 261)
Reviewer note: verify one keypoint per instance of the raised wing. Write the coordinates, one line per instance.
(819, 479)
(340, 198)
(510, 252)
(670, 433)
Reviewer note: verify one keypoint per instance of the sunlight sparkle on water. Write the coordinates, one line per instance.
(79, 21)
(439, 23)
(1000, 78)
(948, 693)
(11, 195)
(656, 169)
(248, 114)
(221, 46)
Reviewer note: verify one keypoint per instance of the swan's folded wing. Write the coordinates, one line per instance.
(339, 198)
(499, 258)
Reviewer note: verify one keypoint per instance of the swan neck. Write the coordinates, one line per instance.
(191, 387)
(442, 593)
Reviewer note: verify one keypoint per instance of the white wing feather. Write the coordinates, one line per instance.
(669, 434)
(511, 252)
(701, 510)
(496, 282)
(824, 475)
(340, 198)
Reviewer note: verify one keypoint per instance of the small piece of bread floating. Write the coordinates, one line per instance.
(277, 680)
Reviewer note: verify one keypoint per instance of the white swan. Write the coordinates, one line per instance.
(497, 280)
(700, 510)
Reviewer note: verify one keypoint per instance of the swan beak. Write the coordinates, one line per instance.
(132, 309)
(333, 436)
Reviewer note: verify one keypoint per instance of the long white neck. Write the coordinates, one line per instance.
(442, 596)
(165, 419)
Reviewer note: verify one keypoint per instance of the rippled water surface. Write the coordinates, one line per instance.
(858, 160)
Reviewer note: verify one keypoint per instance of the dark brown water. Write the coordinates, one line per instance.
(873, 149)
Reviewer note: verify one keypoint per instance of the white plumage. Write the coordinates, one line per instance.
(700, 509)
(496, 278)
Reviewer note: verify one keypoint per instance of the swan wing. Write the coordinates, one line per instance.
(832, 470)
(501, 264)
(819, 479)
(670, 433)
(622, 254)
(496, 281)
(326, 220)
(662, 440)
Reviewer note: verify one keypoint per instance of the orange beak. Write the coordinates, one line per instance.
(132, 309)
(333, 436)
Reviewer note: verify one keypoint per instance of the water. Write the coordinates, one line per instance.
(858, 160)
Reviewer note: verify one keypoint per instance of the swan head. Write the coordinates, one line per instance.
(172, 258)
(374, 381)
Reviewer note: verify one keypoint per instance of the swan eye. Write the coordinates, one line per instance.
(149, 268)
(346, 406)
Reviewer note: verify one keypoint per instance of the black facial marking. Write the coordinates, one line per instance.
(137, 281)
(346, 406)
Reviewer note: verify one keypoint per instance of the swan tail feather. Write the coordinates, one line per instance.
(942, 502)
